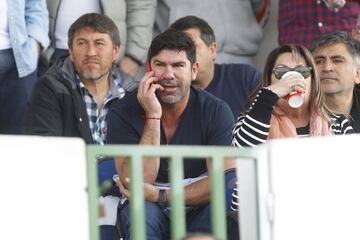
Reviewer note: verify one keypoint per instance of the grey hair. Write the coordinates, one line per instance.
(330, 38)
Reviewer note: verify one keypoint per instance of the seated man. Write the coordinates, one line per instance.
(73, 97)
(337, 61)
(229, 82)
(167, 110)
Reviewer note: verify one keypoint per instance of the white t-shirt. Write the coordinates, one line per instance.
(69, 11)
(4, 26)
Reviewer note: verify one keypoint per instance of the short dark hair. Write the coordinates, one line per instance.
(99, 23)
(206, 32)
(173, 40)
(335, 37)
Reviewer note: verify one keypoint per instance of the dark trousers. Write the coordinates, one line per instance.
(44, 65)
(14, 94)
(58, 53)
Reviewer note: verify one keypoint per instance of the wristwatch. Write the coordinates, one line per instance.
(162, 199)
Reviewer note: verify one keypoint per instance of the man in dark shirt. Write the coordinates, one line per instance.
(229, 82)
(167, 110)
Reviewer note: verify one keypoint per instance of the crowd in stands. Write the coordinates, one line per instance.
(160, 72)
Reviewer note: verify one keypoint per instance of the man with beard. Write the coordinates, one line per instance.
(337, 61)
(168, 111)
(73, 97)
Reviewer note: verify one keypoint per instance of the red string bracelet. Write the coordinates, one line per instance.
(151, 118)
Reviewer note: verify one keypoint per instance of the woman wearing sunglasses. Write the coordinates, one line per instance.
(269, 114)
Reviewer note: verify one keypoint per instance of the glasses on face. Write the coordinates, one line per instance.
(305, 71)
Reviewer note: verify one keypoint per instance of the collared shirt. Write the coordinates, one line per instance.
(28, 22)
(301, 22)
(97, 114)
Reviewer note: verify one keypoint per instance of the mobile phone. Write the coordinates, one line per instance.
(148, 67)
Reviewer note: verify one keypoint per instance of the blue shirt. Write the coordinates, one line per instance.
(233, 83)
(206, 120)
(28, 22)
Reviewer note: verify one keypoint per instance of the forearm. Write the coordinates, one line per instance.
(122, 168)
(122, 133)
(37, 18)
(140, 20)
(197, 193)
(151, 136)
(253, 128)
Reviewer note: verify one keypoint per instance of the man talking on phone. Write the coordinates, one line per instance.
(167, 110)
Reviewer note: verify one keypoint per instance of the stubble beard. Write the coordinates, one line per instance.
(93, 76)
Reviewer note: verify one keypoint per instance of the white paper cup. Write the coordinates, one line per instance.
(295, 98)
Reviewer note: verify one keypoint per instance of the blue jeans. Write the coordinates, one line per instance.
(157, 221)
(106, 171)
(14, 94)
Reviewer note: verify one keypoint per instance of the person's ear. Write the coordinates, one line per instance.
(116, 52)
(194, 71)
(71, 54)
(357, 75)
(213, 50)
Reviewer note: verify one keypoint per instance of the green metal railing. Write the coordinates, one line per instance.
(176, 154)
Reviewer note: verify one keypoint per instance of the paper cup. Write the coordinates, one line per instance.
(295, 99)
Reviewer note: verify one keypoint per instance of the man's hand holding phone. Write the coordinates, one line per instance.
(146, 94)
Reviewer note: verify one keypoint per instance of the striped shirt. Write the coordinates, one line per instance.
(252, 129)
(97, 114)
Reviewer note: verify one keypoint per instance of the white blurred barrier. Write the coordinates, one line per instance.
(309, 191)
(295, 189)
(43, 188)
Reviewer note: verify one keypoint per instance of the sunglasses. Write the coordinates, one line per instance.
(303, 70)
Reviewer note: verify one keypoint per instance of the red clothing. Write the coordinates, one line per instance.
(302, 21)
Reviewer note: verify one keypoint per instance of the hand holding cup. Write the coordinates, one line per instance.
(295, 98)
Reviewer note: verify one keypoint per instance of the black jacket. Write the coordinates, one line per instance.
(355, 109)
(57, 108)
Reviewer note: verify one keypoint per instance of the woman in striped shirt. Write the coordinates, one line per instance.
(269, 114)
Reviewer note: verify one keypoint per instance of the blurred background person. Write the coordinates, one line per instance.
(23, 35)
(230, 82)
(356, 31)
(301, 22)
(238, 25)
